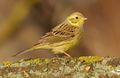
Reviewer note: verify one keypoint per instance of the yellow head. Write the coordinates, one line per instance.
(76, 19)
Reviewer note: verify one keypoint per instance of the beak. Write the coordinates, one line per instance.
(85, 18)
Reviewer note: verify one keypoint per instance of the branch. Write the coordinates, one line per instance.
(79, 67)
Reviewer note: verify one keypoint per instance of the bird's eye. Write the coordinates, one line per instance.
(76, 17)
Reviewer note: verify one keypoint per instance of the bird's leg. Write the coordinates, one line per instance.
(66, 54)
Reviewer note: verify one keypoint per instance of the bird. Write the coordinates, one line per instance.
(62, 37)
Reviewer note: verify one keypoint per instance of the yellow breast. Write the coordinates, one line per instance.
(64, 45)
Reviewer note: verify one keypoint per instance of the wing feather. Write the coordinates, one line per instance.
(60, 33)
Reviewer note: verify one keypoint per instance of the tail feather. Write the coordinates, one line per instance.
(36, 46)
(23, 51)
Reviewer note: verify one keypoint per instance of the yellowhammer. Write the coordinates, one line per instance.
(63, 37)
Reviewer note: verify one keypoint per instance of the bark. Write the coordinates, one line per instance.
(77, 67)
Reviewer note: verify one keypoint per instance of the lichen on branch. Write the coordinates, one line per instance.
(78, 67)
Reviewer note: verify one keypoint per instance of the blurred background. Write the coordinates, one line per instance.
(23, 22)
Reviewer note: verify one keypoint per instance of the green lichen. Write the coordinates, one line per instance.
(7, 63)
(90, 59)
(37, 60)
(47, 60)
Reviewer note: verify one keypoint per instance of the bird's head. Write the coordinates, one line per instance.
(76, 19)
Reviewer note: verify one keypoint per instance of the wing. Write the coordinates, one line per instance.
(60, 33)
(64, 30)
(50, 38)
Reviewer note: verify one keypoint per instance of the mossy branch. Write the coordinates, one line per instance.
(79, 67)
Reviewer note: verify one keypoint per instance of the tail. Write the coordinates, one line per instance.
(23, 51)
(36, 46)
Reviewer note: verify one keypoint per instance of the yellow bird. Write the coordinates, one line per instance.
(63, 37)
